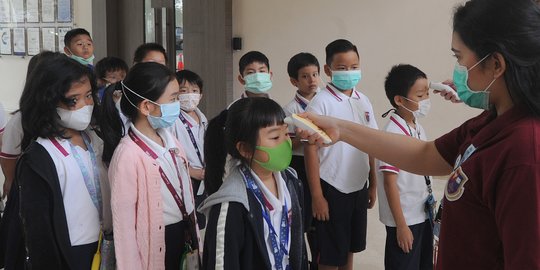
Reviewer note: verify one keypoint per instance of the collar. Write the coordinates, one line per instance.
(191, 121)
(490, 126)
(165, 136)
(270, 199)
(402, 124)
(302, 101)
(339, 95)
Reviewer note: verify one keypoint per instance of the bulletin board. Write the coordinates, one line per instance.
(28, 27)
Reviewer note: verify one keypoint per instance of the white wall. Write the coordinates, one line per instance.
(13, 68)
(386, 32)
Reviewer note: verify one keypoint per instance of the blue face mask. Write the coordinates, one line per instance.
(258, 83)
(475, 99)
(346, 79)
(169, 111)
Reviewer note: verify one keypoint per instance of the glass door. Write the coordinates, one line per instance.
(164, 25)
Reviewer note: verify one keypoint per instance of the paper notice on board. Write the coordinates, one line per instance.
(47, 10)
(48, 36)
(5, 42)
(64, 10)
(5, 11)
(32, 36)
(19, 47)
(18, 10)
(32, 11)
(61, 34)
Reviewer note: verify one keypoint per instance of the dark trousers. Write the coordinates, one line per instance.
(421, 255)
(83, 256)
(175, 244)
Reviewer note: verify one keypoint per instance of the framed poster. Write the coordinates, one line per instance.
(32, 11)
(47, 10)
(19, 45)
(48, 39)
(61, 34)
(64, 10)
(5, 40)
(32, 41)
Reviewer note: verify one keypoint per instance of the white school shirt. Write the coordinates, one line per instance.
(297, 105)
(275, 213)
(412, 187)
(342, 165)
(12, 138)
(180, 131)
(3, 118)
(171, 211)
(82, 216)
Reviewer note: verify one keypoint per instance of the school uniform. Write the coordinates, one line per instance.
(12, 137)
(238, 235)
(3, 118)
(296, 106)
(148, 223)
(413, 193)
(59, 202)
(344, 171)
(491, 207)
(183, 129)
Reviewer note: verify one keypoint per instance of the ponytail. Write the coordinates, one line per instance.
(111, 127)
(215, 152)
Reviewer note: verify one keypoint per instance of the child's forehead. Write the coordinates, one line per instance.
(186, 83)
(348, 57)
(81, 37)
(308, 69)
(255, 65)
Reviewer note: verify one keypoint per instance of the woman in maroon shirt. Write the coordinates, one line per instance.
(491, 214)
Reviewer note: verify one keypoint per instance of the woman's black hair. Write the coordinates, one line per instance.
(148, 80)
(50, 80)
(511, 28)
(240, 123)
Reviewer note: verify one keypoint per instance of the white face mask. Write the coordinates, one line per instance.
(189, 102)
(77, 119)
(423, 108)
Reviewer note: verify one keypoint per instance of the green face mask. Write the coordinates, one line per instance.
(279, 157)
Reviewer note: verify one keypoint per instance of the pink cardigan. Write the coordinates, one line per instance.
(137, 208)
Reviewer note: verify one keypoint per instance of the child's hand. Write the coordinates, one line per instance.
(405, 238)
(326, 123)
(372, 196)
(452, 96)
(196, 173)
(320, 208)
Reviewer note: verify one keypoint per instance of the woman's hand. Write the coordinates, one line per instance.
(326, 123)
(451, 96)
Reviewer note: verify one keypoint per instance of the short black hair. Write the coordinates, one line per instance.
(399, 81)
(252, 57)
(145, 48)
(339, 46)
(109, 64)
(189, 76)
(71, 34)
(299, 61)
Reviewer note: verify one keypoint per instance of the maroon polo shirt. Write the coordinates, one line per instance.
(491, 213)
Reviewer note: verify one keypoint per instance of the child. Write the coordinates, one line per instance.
(79, 46)
(152, 199)
(255, 214)
(303, 69)
(59, 175)
(13, 132)
(109, 70)
(150, 52)
(189, 129)
(338, 175)
(409, 237)
(255, 74)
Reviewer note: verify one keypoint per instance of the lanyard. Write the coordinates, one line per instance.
(278, 250)
(166, 180)
(300, 102)
(409, 133)
(188, 126)
(92, 185)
